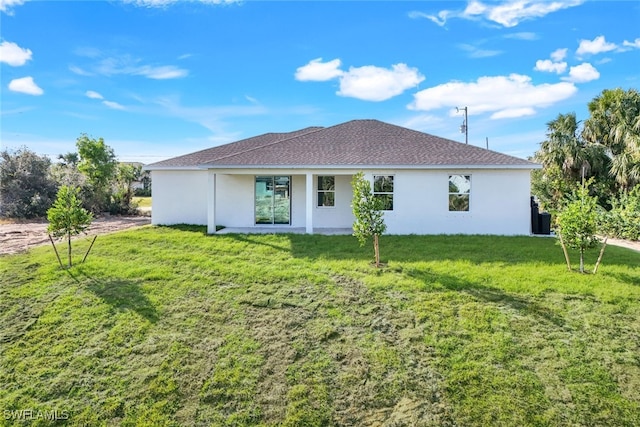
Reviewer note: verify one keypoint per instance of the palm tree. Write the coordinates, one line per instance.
(566, 158)
(615, 125)
(567, 150)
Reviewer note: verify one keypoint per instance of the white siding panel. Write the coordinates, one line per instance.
(499, 203)
(298, 200)
(339, 216)
(235, 200)
(179, 197)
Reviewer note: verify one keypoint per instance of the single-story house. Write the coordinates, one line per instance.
(302, 179)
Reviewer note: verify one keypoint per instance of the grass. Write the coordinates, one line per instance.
(142, 202)
(168, 326)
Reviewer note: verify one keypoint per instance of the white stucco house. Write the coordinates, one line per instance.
(302, 180)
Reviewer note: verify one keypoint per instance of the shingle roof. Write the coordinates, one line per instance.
(355, 143)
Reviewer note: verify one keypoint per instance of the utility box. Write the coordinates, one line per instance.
(535, 221)
(544, 223)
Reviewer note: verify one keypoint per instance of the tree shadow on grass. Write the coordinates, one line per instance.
(626, 278)
(121, 295)
(524, 305)
(200, 229)
(413, 248)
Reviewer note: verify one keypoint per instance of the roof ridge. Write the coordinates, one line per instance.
(312, 129)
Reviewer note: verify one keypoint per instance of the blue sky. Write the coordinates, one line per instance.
(160, 78)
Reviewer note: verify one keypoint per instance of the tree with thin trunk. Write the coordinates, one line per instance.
(67, 217)
(578, 223)
(97, 161)
(369, 214)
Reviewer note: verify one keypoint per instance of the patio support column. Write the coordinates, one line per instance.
(309, 204)
(211, 202)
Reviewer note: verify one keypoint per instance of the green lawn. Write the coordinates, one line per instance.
(142, 202)
(168, 326)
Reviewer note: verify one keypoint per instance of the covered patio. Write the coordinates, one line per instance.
(285, 230)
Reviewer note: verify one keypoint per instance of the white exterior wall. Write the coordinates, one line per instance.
(499, 200)
(340, 215)
(179, 197)
(235, 200)
(499, 203)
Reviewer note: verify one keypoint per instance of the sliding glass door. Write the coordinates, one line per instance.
(273, 200)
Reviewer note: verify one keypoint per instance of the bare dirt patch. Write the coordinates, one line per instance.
(20, 236)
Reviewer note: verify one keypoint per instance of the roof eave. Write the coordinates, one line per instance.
(531, 166)
(171, 168)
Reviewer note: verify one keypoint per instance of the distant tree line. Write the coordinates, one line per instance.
(29, 182)
(604, 150)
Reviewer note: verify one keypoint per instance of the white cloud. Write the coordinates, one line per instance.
(161, 73)
(79, 71)
(550, 66)
(522, 36)
(559, 54)
(319, 71)
(425, 123)
(371, 83)
(582, 73)
(439, 19)
(25, 85)
(14, 55)
(475, 52)
(165, 3)
(6, 5)
(125, 64)
(504, 96)
(633, 44)
(508, 13)
(595, 46)
(93, 95)
(210, 117)
(511, 13)
(512, 113)
(114, 105)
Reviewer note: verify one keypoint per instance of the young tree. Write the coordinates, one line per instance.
(98, 162)
(67, 217)
(26, 186)
(578, 223)
(369, 214)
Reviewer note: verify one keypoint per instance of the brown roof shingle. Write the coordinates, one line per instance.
(354, 143)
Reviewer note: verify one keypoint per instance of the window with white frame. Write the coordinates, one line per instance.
(383, 189)
(326, 191)
(459, 193)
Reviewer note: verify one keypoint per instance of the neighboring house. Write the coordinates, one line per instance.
(303, 179)
(144, 180)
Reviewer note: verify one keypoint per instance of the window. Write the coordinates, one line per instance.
(383, 189)
(326, 191)
(459, 192)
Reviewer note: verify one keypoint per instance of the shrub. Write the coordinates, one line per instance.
(624, 216)
(27, 189)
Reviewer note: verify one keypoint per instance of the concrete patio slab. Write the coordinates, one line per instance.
(284, 230)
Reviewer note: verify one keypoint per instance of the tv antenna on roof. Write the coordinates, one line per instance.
(464, 128)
